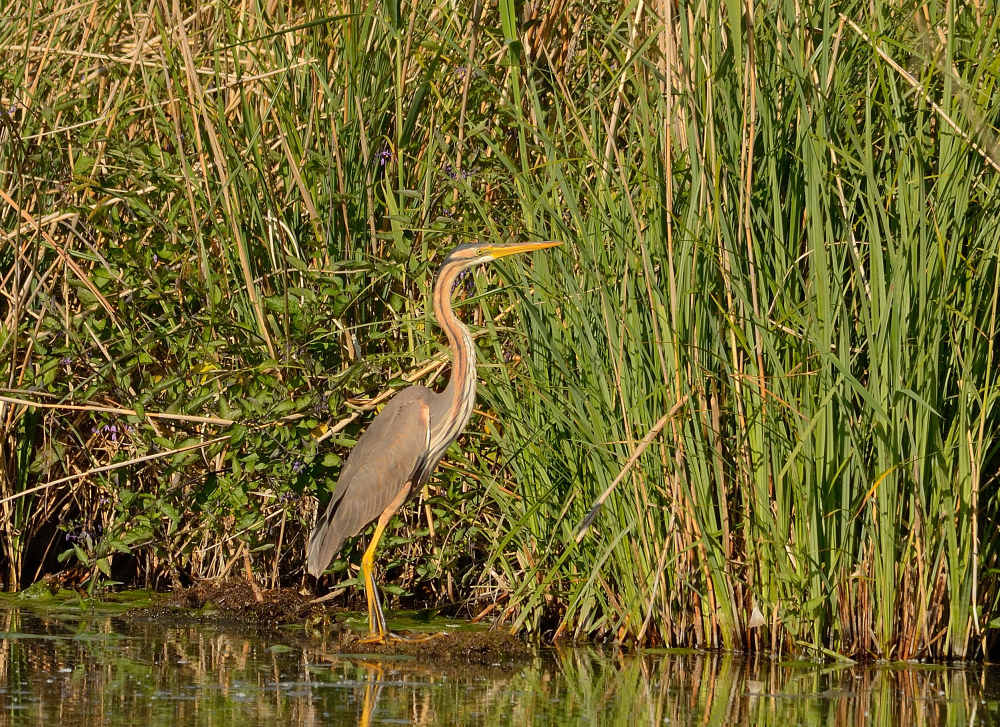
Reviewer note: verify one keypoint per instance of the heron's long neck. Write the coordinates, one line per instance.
(461, 390)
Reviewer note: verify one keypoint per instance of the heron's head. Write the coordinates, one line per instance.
(467, 256)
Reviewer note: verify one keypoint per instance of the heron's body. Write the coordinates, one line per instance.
(400, 449)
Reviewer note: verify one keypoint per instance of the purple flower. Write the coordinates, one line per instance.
(65, 360)
(297, 466)
(385, 157)
(465, 281)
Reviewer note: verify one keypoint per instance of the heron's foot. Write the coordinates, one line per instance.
(419, 638)
(389, 637)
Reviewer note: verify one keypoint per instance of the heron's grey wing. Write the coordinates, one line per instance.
(383, 461)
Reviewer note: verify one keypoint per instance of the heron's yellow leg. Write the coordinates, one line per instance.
(376, 619)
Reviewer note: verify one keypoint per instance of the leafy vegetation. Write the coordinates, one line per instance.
(221, 227)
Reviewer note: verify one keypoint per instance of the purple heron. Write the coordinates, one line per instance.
(401, 447)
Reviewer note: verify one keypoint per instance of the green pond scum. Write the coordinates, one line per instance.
(67, 661)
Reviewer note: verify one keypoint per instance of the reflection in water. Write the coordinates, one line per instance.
(105, 670)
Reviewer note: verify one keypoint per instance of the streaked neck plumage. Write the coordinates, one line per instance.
(461, 390)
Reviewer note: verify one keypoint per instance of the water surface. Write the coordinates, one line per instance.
(70, 663)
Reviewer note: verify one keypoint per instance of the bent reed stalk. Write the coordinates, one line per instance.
(780, 215)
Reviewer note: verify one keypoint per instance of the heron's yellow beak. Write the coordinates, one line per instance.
(505, 250)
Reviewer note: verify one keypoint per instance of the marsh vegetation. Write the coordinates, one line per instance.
(780, 278)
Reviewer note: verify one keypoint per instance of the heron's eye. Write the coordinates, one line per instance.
(480, 251)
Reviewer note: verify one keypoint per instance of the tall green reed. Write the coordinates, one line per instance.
(780, 228)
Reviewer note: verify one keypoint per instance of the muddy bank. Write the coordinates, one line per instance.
(236, 603)
(483, 648)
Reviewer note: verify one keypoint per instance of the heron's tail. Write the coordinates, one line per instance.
(325, 542)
